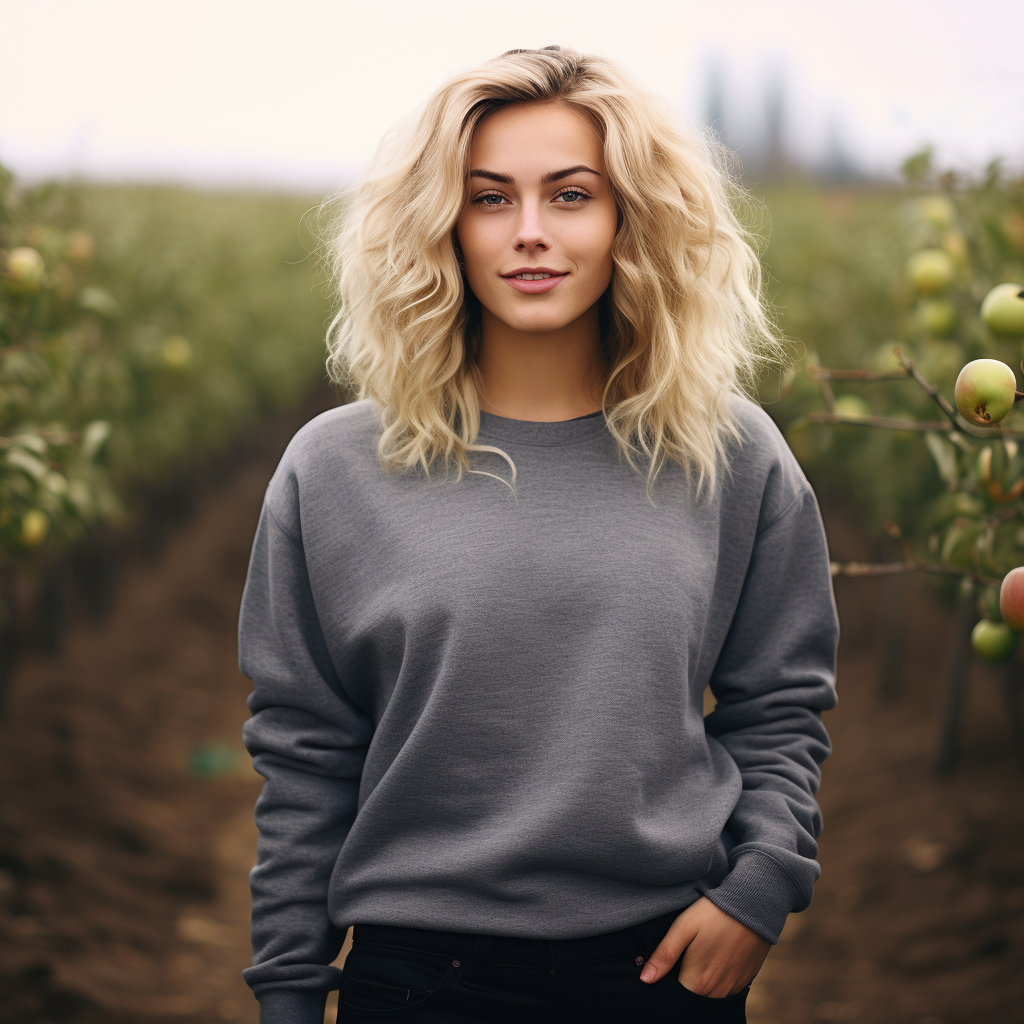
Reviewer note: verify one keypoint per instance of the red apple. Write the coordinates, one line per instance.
(1011, 598)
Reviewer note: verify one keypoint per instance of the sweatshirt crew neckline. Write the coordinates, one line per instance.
(542, 433)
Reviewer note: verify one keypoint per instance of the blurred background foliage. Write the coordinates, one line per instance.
(143, 330)
(844, 269)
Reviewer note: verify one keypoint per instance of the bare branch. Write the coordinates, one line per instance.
(54, 438)
(824, 373)
(957, 421)
(910, 565)
(931, 390)
(885, 422)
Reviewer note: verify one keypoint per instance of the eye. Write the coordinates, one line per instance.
(580, 196)
(482, 200)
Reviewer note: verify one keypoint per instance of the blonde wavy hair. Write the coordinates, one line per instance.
(683, 322)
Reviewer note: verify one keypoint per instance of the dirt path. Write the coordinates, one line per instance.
(918, 916)
(123, 873)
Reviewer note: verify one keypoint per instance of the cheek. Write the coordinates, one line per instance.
(479, 246)
(594, 244)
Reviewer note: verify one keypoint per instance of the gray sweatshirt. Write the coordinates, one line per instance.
(481, 711)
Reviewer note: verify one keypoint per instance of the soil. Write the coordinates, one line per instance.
(125, 846)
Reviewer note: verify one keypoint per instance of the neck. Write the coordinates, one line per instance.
(542, 376)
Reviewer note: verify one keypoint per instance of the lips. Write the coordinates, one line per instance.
(536, 270)
(544, 284)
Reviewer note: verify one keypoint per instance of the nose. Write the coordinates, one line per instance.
(530, 234)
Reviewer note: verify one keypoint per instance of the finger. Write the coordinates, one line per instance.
(668, 951)
(722, 970)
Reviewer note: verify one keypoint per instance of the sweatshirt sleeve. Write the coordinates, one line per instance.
(309, 743)
(774, 676)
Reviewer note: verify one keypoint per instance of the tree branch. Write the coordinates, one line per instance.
(956, 420)
(911, 565)
(824, 373)
(878, 421)
(54, 438)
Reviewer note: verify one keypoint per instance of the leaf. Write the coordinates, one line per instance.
(26, 463)
(970, 447)
(98, 300)
(33, 442)
(93, 438)
(954, 535)
(985, 541)
(945, 458)
(81, 498)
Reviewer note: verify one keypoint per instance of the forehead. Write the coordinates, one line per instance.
(535, 138)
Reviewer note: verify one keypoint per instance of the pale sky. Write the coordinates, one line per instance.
(297, 93)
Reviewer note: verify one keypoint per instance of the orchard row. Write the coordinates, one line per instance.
(142, 330)
(945, 317)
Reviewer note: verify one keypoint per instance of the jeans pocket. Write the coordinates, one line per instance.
(713, 1009)
(383, 981)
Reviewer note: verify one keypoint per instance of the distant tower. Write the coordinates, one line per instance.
(838, 164)
(776, 160)
(714, 98)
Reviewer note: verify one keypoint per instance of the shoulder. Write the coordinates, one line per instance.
(762, 468)
(324, 452)
(345, 428)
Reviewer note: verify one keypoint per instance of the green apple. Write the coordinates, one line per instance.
(993, 641)
(985, 391)
(936, 316)
(955, 244)
(931, 270)
(966, 505)
(1011, 598)
(34, 527)
(24, 270)
(176, 352)
(936, 210)
(853, 406)
(1003, 310)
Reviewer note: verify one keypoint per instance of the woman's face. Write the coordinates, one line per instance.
(539, 200)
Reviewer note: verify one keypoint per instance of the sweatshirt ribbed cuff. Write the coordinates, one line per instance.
(758, 892)
(292, 1006)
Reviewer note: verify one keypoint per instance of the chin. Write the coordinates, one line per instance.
(540, 320)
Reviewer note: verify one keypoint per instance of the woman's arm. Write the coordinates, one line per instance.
(309, 743)
(774, 676)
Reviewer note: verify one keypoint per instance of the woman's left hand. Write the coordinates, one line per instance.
(722, 956)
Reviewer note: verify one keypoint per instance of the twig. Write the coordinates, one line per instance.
(54, 438)
(957, 421)
(885, 422)
(911, 565)
(827, 393)
(824, 373)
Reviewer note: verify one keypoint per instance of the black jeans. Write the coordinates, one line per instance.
(437, 977)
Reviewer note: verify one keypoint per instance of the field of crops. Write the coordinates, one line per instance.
(145, 336)
(151, 339)
(900, 302)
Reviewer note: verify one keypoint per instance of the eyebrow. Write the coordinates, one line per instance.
(552, 176)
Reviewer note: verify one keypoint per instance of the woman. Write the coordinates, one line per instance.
(478, 698)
